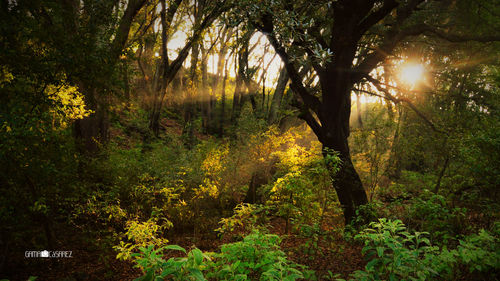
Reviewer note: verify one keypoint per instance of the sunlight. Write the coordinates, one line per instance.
(366, 99)
(411, 74)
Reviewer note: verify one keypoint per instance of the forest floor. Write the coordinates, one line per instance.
(89, 262)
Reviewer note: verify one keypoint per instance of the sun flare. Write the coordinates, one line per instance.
(411, 74)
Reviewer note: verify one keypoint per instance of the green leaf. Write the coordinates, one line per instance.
(380, 251)
(198, 256)
(175, 247)
(148, 277)
(197, 274)
(371, 265)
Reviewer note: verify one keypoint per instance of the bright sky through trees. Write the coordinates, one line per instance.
(411, 73)
(178, 40)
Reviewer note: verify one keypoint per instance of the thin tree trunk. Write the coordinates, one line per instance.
(393, 169)
(278, 96)
(238, 92)
(358, 110)
(222, 120)
(441, 174)
(161, 78)
(205, 92)
(241, 76)
(190, 104)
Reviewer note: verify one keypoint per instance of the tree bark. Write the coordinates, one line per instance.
(93, 131)
(239, 96)
(358, 111)
(346, 182)
(205, 97)
(222, 119)
(278, 96)
(202, 22)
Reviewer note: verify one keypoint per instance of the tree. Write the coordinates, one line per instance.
(206, 13)
(94, 39)
(277, 96)
(344, 41)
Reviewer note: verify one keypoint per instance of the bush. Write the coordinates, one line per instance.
(477, 254)
(246, 216)
(431, 213)
(156, 268)
(396, 254)
(257, 257)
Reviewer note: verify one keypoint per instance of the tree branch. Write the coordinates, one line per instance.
(297, 86)
(376, 16)
(121, 37)
(207, 21)
(396, 100)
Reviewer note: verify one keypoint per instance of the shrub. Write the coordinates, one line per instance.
(430, 212)
(396, 254)
(477, 254)
(246, 216)
(257, 257)
(156, 268)
(141, 234)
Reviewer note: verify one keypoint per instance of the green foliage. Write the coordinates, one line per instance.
(366, 214)
(410, 184)
(257, 257)
(477, 255)
(246, 216)
(303, 192)
(396, 254)
(156, 268)
(430, 212)
(313, 234)
(371, 143)
(38, 159)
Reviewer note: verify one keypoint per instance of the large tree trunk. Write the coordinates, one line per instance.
(93, 131)
(334, 136)
(346, 182)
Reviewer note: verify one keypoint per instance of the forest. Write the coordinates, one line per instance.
(249, 140)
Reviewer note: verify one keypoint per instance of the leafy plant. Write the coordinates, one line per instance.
(156, 268)
(476, 254)
(141, 234)
(430, 212)
(394, 253)
(248, 216)
(257, 257)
